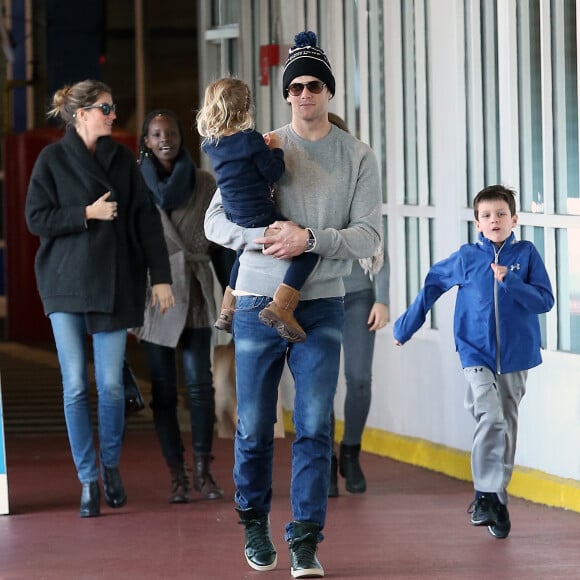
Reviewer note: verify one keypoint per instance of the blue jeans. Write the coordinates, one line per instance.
(314, 364)
(70, 335)
(195, 346)
(358, 347)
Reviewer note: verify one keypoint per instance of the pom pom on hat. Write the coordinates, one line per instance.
(306, 58)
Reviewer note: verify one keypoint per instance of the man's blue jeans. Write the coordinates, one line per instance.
(314, 364)
(70, 335)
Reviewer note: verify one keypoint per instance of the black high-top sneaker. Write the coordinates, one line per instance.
(303, 546)
(482, 509)
(259, 550)
(502, 526)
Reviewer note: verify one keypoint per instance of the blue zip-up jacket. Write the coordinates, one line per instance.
(496, 323)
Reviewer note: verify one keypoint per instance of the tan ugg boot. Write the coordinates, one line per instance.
(224, 321)
(280, 313)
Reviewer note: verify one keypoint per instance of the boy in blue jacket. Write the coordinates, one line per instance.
(502, 288)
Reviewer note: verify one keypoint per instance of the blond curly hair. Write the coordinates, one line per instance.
(227, 109)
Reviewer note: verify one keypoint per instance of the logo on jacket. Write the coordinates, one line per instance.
(514, 267)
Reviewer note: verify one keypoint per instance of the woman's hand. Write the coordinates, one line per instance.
(378, 317)
(102, 209)
(162, 295)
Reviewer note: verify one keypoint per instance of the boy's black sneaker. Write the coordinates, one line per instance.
(483, 510)
(502, 526)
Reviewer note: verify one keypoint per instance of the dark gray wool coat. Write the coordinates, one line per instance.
(94, 267)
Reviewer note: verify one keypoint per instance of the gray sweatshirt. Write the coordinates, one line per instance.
(331, 186)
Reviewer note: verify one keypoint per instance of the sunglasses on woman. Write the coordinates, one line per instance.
(315, 87)
(106, 108)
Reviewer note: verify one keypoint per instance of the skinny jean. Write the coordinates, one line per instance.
(493, 401)
(70, 335)
(195, 347)
(358, 347)
(260, 357)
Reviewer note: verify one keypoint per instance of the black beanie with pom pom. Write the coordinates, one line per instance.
(307, 59)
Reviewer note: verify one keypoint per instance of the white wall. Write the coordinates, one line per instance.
(418, 389)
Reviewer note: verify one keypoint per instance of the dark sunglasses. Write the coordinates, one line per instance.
(315, 87)
(106, 109)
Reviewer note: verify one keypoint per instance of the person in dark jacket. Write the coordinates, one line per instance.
(100, 235)
(502, 288)
(182, 193)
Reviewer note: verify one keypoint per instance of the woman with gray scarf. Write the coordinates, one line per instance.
(182, 193)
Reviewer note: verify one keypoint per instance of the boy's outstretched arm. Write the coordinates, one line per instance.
(441, 277)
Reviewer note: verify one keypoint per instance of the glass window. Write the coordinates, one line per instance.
(565, 105)
(413, 271)
(410, 104)
(536, 235)
(568, 285)
(224, 12)
(530, 106)
(419, 253)
(482, 107)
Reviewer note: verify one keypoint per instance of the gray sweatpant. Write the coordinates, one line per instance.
(493, 402)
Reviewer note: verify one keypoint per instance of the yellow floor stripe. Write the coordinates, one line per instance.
(529, 484)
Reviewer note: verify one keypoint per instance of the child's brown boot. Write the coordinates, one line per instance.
(280, 313)
(224, 321)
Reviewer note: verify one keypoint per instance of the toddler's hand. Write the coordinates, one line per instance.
(272, 141)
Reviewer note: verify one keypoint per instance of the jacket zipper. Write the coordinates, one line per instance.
(496, 313)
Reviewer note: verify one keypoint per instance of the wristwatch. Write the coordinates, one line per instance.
(311, 241)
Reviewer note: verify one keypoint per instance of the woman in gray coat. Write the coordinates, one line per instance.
(182, 193)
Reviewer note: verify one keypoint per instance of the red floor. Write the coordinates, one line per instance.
(411, 524)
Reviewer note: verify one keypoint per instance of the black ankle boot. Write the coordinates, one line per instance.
(179, 485)
(90, 500)
(203, 480)
(259, 550)
(333, 487)
(349, 467)
(303, 546)
(115, 495)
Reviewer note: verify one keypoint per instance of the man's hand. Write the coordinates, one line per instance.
(284, 240)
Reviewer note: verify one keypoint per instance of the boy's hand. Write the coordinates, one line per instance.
(499, 272)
